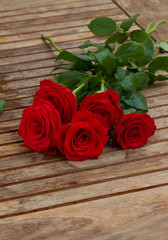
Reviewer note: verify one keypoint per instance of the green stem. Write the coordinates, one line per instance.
(115, 47)
(52, 43)
(148, 27)
(157, 51)
(156, 25)
(78, 88)
(102, 85)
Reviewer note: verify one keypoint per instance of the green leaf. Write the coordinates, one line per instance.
(130, 82)
(149, 52)
(83, 57)
(68, 67)
(2, 105)
(135, 81)
(153, 77)
(94, 81)
(136, 100)
(106, 60)
(164, 46)
(130, 51)
(119, 90)
(144, 80)
(117, 37)
(68, 56)
(65, 55)
(88, 43)
(102, 26)
(119, 75)
(78, 65)
(160, 63)
(141, 36)
(125, 25)
(72, 79)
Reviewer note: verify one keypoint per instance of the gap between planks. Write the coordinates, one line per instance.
(58, 12)
(61, 18)
(53, 8)
(97, 220)
(21, 211)
(50, 3)
(63, 167)
(85, 177)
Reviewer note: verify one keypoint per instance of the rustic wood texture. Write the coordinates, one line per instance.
(122, 195)
(151, 11)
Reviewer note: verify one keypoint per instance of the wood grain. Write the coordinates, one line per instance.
(85, 177)
(57, 168)
(123, 194)
(109, 218)
(151, 11)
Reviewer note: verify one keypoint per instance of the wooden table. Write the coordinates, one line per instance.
(123, 194)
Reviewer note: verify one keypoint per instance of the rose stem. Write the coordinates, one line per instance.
(52, 43)
(79, 88)
(102, 84)
(157, 51)
(116, 46)
(156, 25)
(148, 27)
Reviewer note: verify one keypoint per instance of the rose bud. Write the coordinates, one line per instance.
(61, 97)
(39, 125)
(133, 130)
(84, 138)
(105, 106)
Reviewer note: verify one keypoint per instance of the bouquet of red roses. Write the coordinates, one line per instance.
(98, 98)
(54, 124)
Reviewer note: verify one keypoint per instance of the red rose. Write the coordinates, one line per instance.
(39, 126)
(105, 106)
(61, 97)
(84, 138)
(133, 130)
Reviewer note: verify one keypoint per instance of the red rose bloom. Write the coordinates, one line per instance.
(133, 130)
(105, 106)
(84, 138)
(61, 97)
(39, 125)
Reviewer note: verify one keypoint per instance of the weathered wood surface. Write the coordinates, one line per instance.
(151, 11)
(123, 194)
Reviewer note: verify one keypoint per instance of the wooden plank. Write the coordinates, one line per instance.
(15, 148)
(35, 42)
(109, 218)
(43, 53)
(28, 74)
(19, 93)
(76, 179)
(151, 11)
(9, 126)
(51, 7)
(26, 159)
(59, 12)
(83, 193)
(19, 4)
(68, 17)
(109, 157)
